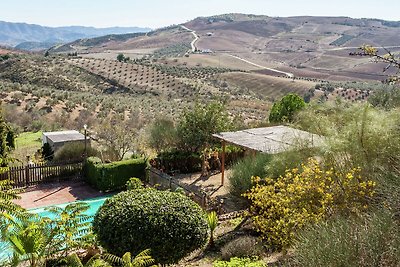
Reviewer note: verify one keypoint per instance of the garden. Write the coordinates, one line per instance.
(336, 204)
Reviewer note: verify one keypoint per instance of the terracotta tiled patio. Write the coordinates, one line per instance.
(57, 193)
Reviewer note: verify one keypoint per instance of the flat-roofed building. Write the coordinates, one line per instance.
(58, 139)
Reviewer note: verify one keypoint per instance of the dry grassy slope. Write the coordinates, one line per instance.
(266, 86)
(153, 40)
(304, 42)
(309, 43)
(73, 91)
(51, 73)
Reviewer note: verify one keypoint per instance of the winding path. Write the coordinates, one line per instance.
(263, 67)
(196, 37)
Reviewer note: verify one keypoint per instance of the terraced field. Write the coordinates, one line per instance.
(136, 77)
(266, 86)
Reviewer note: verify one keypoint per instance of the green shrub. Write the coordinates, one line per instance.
(285, 109)
(359, 135)
(242, 171)
(373, 240)
(189, 162)
(240, 262)
(281, 207)
(134, 183)
(168, 223)
(74, 151)
(47, 152)
(185, 162)
(243, 246)
(113, 176)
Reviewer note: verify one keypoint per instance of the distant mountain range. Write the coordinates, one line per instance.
(35, 37)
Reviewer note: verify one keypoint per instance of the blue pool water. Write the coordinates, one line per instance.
(94, 205)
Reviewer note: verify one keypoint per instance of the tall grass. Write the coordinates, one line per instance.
(243, 170)
(372, 240)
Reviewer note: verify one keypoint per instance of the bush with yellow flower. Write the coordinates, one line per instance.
(280, 207)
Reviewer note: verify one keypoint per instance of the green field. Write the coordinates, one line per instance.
(26, 144)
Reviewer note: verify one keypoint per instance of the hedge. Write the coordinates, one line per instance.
(189, 162)
(113, 176)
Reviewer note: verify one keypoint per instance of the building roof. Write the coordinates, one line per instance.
(271, 140)
(64, 136)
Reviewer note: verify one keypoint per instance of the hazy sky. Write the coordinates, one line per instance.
(158, 13)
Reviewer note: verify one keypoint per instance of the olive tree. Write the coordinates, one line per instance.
(197, 125)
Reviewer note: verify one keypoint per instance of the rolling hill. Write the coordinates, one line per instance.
(316, 47)
(31, 36)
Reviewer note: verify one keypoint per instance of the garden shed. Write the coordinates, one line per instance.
(271, 140)
(57, 139)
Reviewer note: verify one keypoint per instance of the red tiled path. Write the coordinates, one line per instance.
(57, 193)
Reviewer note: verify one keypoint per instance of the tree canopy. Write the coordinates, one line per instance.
(284, 110)
(198, 124)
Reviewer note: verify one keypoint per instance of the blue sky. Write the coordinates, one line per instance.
(158, 13)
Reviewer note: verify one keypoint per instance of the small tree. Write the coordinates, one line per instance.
(119, 136)
(47, 152)
(284, 110)
(199, 123)
(121, 57)
(7, 139)
(162, 135)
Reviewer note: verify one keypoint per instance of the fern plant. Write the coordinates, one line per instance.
(73, 225)
(143, 259)
(32, 242)
(10, 213)
(74, 261)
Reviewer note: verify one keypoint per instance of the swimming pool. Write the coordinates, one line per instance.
(94, 205)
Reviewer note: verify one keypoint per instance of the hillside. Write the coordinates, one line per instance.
(314, 47)
(47, 92)
(14, 34)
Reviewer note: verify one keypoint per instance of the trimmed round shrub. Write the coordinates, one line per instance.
(168, 223)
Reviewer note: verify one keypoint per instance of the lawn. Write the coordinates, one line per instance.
(26, 144)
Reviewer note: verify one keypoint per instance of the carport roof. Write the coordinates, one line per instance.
(271, 140)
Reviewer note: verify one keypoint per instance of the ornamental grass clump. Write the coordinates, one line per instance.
(281, 207)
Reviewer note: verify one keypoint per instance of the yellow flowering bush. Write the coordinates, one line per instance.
(280, 207)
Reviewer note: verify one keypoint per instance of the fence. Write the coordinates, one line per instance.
(164, 181)
(33, 174)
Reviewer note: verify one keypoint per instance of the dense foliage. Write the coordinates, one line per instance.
(74, 152)
(359, 135)
(162, 135)
(113, 176)
(134, 183)
(197, 125)
(281, 207)
(189, 162)
(168, 223)
(372, 240)
(7, 142)
(35, 240)
(285, 109)
(243, 170)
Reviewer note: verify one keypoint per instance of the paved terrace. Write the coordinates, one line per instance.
(57, 193)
